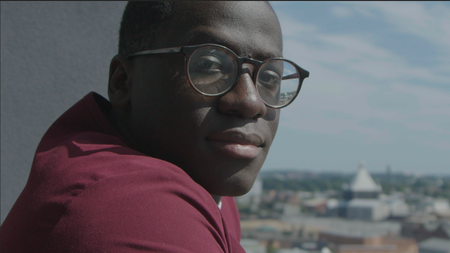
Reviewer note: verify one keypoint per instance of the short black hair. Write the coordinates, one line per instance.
(141, 21)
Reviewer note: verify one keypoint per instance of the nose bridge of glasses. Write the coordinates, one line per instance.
(255, 63)
(248, 66)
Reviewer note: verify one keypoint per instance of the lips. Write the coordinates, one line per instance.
(236, 144)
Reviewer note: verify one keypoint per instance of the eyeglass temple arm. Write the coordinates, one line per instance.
(295, 75)
(169, 50)
(292, 76)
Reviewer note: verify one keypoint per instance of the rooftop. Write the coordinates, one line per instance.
(363, 181)
(435, 244)
(348, 228)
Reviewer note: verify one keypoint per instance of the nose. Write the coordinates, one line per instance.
(243, 100)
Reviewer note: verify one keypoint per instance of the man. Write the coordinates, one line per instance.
(194, 99)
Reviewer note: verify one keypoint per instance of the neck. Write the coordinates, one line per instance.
(116, 117)
(119, 120)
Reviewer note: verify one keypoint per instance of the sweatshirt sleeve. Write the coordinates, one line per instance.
(142, 212)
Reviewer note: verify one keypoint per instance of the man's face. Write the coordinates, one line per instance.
(221, 142)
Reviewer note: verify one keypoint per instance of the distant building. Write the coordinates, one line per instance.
(311, 227)
(439, 207)
(367, 209)
(423, 229)
(389, 173)
(397, 205)
(252, 246)
(291, 209)
(362, 186)
(318, 206)
(342, 243)
(361, 199)
(434, 245)
(294, 250)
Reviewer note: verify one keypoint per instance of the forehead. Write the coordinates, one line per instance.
(250, 29)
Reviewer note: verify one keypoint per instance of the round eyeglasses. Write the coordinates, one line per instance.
(213, 70)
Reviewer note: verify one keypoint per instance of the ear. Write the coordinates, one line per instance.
(119, 84)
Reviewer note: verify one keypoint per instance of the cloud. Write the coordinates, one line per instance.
(432, 101)
(354, 79)
(431, 23)
(291, 26)
(367, 12)
(341, 12)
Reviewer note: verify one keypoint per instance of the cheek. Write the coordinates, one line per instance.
(193, 121)
(272, 117)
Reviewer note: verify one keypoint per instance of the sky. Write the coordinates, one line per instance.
(378, 91)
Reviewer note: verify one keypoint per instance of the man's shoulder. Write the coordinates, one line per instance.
(120, 195)
(82, 147)
(85, 158)
(91, 192)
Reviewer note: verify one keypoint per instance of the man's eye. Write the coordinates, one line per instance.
(270, 79)
(207, 70)
(209, 64)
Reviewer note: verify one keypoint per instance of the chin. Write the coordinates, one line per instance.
(236, 185)
(223, 176)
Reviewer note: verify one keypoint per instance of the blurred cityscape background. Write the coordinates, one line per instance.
(302, 211)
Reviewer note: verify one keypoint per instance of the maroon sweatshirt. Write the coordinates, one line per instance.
(88, 191)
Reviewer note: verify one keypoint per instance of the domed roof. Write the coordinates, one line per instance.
(363, 182)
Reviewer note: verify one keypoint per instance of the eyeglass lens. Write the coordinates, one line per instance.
(213, 71)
